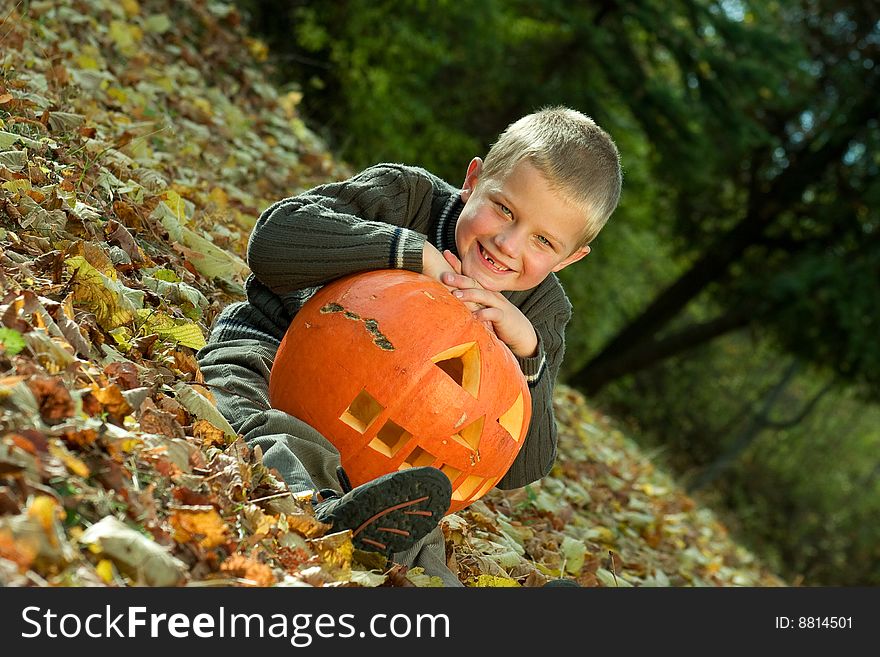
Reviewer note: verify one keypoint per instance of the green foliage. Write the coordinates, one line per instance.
(799, 494)
(11, 341)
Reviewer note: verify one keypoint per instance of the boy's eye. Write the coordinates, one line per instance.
(543, 240)
(505, 209)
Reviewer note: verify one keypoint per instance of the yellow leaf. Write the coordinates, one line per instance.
(17, 186)
(210, 260)
(203, 105)
(289, 102)
(259, 50)
(74, 464)
(421, 579)
(105, 570)
(335, 549)
(45, 510)
(495, 581)
(88, 62)
(219, 198)
(209, 434)
(118, 95)
(176, 204)
(113, 303)
(125, 37)
(600, 534)
(182, 331)
(131, 7)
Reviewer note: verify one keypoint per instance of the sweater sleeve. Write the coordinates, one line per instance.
(341, 228)
(538, 453)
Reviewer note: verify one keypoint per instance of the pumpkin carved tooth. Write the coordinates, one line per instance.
(439, 391)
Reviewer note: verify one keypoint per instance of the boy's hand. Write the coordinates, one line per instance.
(434, 264)
(493, 309)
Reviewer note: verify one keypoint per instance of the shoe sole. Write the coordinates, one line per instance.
(411, 504)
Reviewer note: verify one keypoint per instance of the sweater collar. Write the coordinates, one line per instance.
(444, 234)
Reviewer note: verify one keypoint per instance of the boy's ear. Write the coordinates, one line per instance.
(574, 257)
(471, 178)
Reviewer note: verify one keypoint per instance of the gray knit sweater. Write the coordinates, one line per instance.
(380, 219)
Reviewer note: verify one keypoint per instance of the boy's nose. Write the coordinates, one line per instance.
(508, 243)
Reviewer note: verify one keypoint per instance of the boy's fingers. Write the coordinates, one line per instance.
(460, 281)
(488, 315)
(476, 295)
(453, 261)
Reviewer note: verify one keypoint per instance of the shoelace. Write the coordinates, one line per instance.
(328, 493)
(344, 481)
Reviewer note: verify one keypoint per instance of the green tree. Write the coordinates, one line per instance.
(784, 234)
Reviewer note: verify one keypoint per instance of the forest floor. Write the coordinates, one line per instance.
(136, 150)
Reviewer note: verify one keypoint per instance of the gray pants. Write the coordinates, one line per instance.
(239, 370)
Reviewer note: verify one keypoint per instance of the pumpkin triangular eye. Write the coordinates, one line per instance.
(471, 434)
(462, 364)
(512, 419)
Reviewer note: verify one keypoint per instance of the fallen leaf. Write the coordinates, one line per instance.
(244, 567)
(134, 553)
(199, 524)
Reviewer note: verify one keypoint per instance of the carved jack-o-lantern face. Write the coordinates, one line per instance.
(396, 373)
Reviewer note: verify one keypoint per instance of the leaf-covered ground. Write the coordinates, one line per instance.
(138, 142)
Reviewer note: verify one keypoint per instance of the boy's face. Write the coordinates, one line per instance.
(513, 233)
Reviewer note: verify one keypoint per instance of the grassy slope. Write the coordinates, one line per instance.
(137, 145)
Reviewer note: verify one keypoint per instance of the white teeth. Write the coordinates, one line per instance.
(494, 264)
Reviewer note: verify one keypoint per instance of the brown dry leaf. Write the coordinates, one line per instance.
(307, 525)
(172, 406)
(292, 558)
(244, 567)
(21, 550)
(23, 442)
(156, 421)
(53, 398)
(112, 400)
(201, 524)
(209, 434)
(185, 362)
(130, 216)
(124, 374)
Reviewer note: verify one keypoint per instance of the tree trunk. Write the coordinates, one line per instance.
(759, 422)
(765, 206)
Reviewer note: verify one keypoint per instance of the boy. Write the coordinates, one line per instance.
(547, 187)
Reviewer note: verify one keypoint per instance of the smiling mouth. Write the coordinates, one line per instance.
(488, 258)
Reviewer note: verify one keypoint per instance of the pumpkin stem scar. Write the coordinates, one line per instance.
(372, 326)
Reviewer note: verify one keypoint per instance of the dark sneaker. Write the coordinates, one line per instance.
(391, 513)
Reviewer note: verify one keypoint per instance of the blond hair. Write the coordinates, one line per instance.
(578, 158)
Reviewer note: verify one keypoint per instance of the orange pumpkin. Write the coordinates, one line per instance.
(397, 373)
